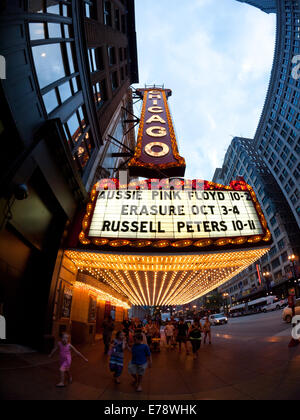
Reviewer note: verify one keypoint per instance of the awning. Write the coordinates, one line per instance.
(164, 279)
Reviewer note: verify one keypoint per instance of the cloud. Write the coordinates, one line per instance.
(217, 58)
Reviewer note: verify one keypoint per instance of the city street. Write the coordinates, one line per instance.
(249, 359)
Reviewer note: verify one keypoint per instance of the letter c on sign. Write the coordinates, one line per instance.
(164, 152)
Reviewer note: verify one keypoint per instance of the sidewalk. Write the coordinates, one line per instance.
(227, 370)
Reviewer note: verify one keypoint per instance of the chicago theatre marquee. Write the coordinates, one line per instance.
(167, 240)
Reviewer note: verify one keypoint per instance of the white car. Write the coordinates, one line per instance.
(218, 319)
(287, 314)
(276, 306)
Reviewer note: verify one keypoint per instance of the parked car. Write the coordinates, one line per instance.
(287, 314)
(218, 319)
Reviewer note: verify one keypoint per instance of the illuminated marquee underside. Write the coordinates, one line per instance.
(159, 280)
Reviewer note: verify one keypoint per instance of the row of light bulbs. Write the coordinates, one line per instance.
(159, 287)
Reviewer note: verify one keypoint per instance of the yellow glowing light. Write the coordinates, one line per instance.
(101, 295)
(155, 280)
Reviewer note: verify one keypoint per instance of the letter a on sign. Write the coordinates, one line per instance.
(150, 159)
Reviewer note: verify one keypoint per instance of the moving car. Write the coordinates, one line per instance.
(272, 304)
(218, 319)
(287, 314)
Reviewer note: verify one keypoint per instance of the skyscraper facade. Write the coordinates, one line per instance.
(278, 133)
(276, 150)
(268, 6)
(70, 65)
(242, 160)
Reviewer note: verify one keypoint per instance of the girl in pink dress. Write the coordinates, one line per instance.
(65, 349)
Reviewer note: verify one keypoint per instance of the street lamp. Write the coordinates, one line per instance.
(267, 276)
(292, 259)
(226, 296)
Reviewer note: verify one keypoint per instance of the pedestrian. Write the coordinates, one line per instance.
(182, 331)
(149, 331)
(207, 330)
(195, 338)
(65, 349)
(126, 325)
(141, 359)
(108, 328)
(169, 332)
(116, 352)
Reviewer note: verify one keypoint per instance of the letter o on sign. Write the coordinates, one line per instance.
(164, 152)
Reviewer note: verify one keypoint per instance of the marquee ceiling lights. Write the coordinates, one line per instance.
(101, 295)
(159, 280)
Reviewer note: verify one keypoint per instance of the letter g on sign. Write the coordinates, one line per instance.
(296, 329)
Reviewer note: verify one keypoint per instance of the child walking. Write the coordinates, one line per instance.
(117, 355)
(141, 358)
(65, 349)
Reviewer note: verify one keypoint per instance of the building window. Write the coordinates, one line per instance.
(123, 23)
(100, 93)
(56, 73)
(61, 8)
(112, 56)
(114, 80)
(122, 74)
(117, 20)
(79, 138)
(90, 9)
(277, 232)
(96, 59)
(107, 13)
(121, 55)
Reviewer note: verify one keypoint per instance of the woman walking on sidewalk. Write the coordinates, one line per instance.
(195, 337)
(65, 349)
(182, 332)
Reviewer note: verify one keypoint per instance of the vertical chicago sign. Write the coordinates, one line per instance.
(156, 154)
